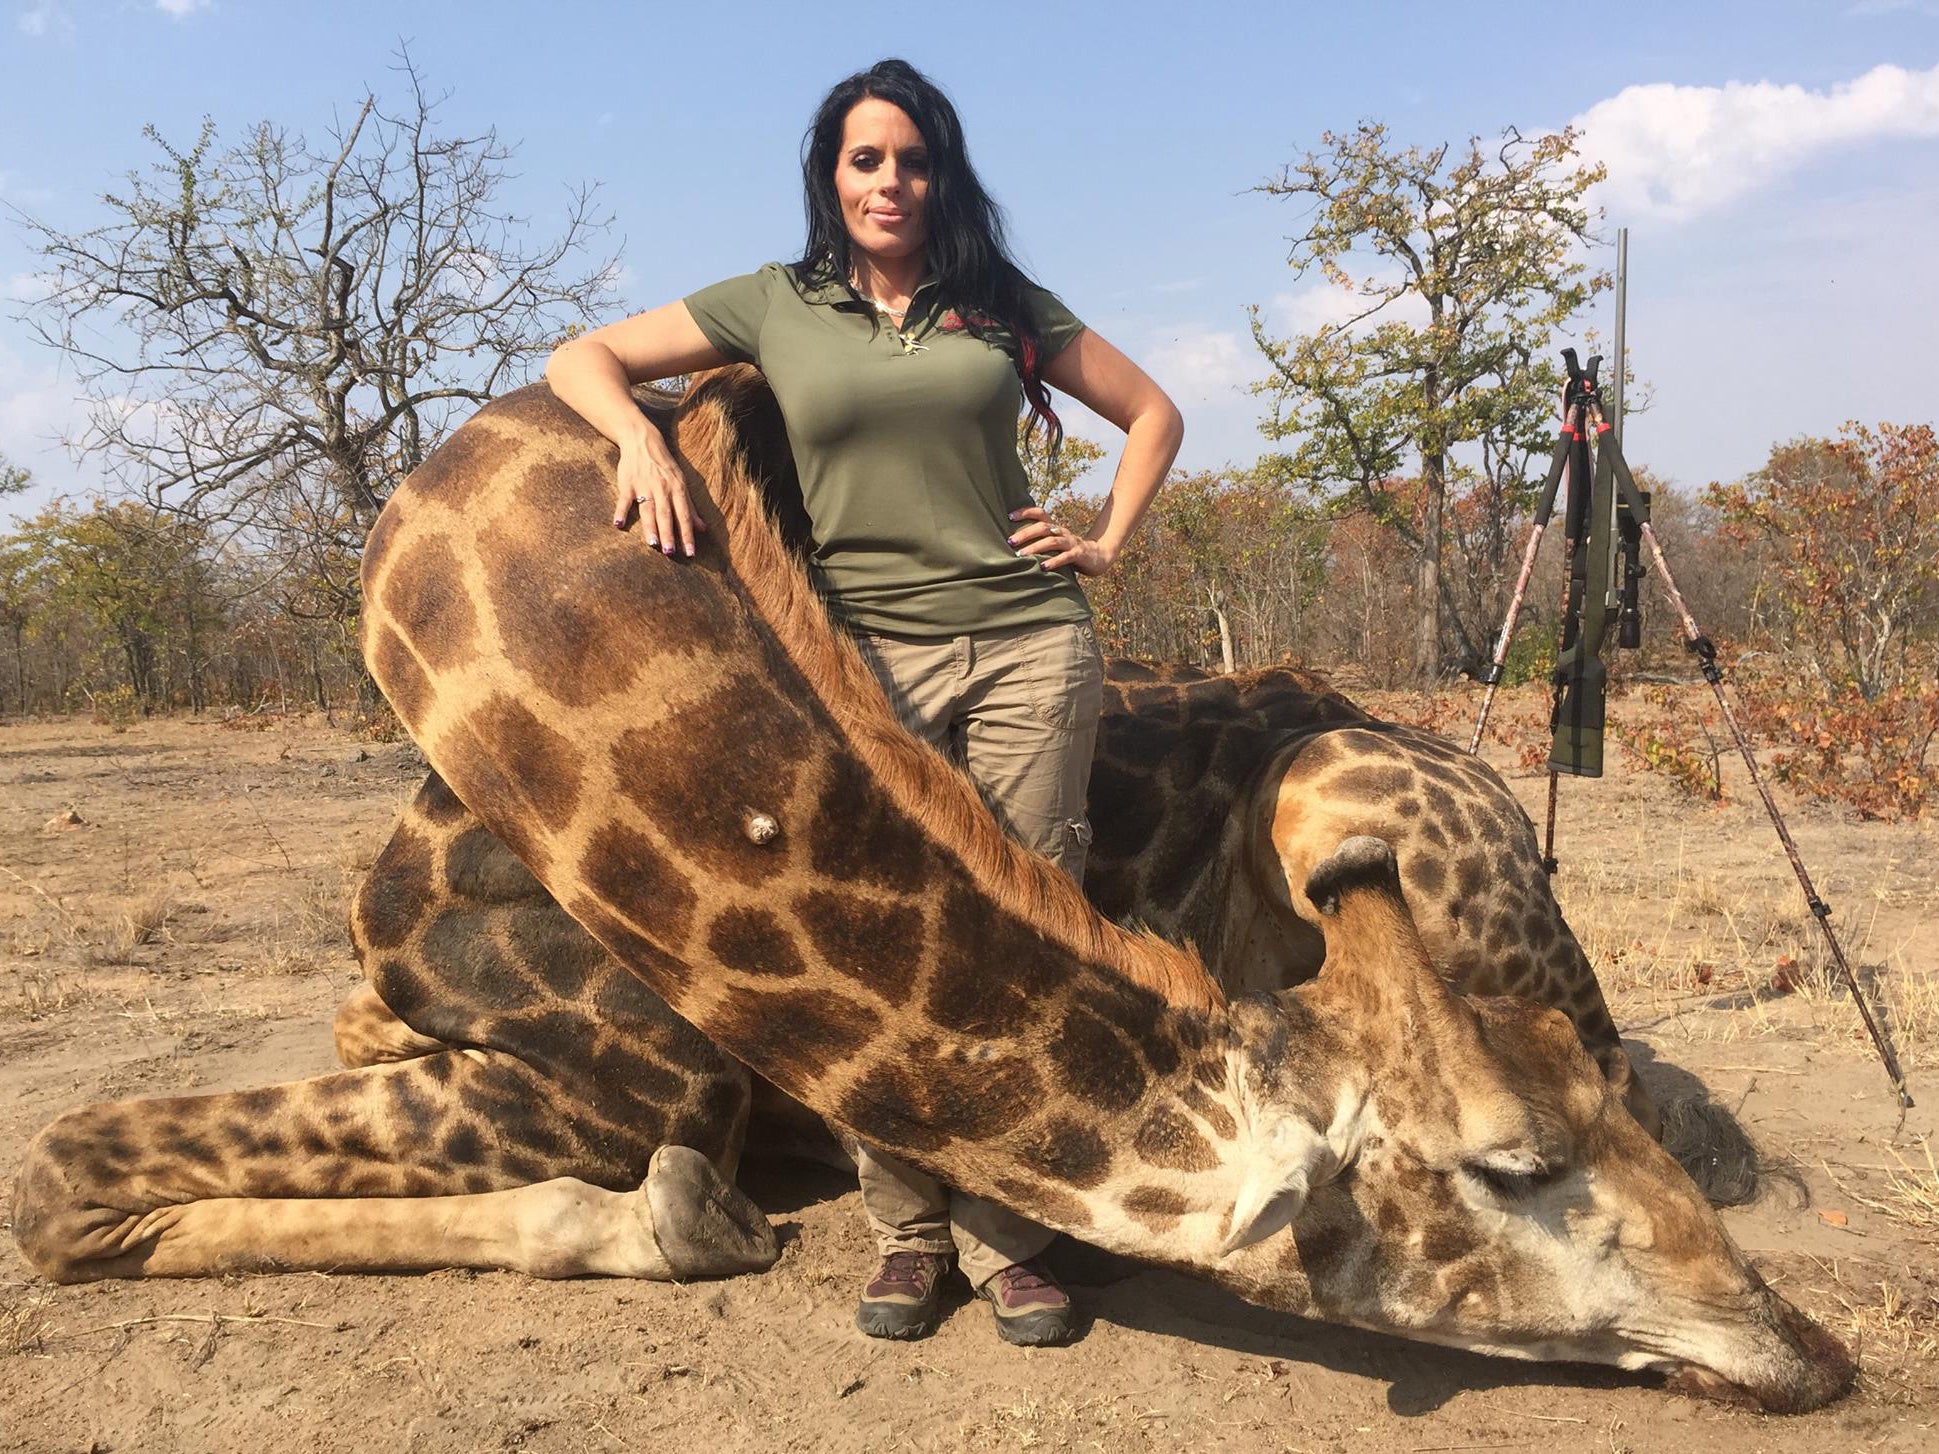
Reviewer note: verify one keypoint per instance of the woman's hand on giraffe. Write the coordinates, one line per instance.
(1054, 546)
(649, 478)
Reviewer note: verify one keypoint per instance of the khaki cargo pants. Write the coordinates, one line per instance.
(1018, 711)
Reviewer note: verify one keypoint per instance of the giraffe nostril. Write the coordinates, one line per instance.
(760, 828)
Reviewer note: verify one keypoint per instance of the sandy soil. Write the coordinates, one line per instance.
(185, 934)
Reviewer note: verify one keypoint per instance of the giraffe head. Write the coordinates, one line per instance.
(1476, 1181)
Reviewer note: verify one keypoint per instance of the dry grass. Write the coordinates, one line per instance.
(309, 926)
(25, 1325)
(1910, 1195)
(141, 920)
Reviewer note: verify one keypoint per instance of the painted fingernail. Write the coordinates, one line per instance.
(668, 548)
(652, 541)
(689, 550)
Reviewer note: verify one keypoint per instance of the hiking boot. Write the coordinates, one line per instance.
(904, 1298)
(1031, 1309)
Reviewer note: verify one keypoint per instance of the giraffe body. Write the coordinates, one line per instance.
(1368, 1146)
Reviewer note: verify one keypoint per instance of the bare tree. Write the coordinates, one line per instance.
(274, 334)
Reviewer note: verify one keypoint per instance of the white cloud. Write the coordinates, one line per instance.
(180, 9)
(45, 18)
(1676, 151)
(1202, 363)
(1322, 305)
(25, 288)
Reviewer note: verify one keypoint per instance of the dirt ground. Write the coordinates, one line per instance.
(171, 903)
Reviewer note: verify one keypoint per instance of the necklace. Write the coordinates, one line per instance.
(895, 317)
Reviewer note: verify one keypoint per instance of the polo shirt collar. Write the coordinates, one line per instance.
(831, 293)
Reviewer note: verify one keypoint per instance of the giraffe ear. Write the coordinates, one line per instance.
(1286, 1163)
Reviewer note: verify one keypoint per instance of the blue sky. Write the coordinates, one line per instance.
(1781, 189)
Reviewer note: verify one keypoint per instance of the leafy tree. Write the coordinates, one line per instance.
(13, 479)
(1851, 526)
(274, 333)
(1469, 263)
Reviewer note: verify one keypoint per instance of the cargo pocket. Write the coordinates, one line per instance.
(1067, 680)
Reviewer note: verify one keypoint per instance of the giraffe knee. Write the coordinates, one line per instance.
(368, 1032)
(64, 1217)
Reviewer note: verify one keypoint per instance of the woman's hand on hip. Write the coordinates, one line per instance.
(649, 478)
(1055, 546)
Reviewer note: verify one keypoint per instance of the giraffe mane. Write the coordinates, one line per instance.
(707, 434)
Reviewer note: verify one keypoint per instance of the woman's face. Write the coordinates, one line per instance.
(882, 179)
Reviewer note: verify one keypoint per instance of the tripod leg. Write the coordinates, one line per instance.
(1706, 654)
(1557, 463)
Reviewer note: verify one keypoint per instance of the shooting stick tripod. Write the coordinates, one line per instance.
(1577, 719)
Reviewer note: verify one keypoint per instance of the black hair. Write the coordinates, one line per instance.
(967, 247)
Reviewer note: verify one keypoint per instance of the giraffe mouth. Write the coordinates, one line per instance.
(1800, 1367)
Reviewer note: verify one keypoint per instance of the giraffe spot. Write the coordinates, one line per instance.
(1095, 1064)
(563, 594)
(526, 767)
(1471, 876)
(402, 986)
(1440, 802)
(1065, 1150)
(659, 969)
(926, 1108)
(1124, 808)
(1434, 833)
(794, 1038)
(1320, 1248)
(1447, 1240)
(1425, 877)
(396, 671)
(1375, 783)
(753, 942)
(1169, 1140)
(396, 892)
(1138, 739)
(1539, 929)
(1210, 1111)
(863, 837)
(463, 1146)
(1238, 752)
(993, 969)
(437, 804)
(614, 1063)
(677, 773)
(870, 942)
(1140, 1016)
(545, 943)
(1158, 1208)
(1187, 762)
(628, 871)
(411, 1112)
(467, 967)
(479, 867)
(1192, 849)
(466, 461)
(1408, 807)
(426, 596)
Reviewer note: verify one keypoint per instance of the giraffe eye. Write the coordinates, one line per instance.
(1512, 1186)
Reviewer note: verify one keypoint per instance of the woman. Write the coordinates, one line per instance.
(895, 347)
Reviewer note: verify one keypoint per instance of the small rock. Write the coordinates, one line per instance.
(326, 771)
(1833, 1218)
(61, 822)
(359, 755)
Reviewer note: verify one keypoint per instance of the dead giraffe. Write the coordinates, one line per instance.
(729, 806)
(1214, 798)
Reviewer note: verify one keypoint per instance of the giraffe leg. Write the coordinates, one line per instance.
(368, 1032)
(451, 1159)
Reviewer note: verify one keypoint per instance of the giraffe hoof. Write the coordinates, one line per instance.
(705, 1225)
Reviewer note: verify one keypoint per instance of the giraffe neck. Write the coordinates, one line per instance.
(884, 954)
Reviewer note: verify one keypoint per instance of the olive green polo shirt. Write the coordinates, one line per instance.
(906, 445)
